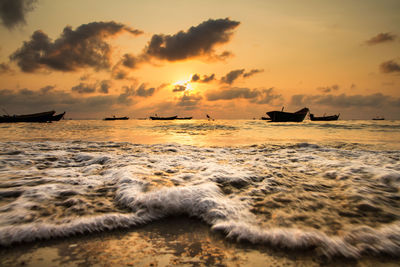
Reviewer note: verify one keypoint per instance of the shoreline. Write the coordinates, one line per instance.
(172, 241)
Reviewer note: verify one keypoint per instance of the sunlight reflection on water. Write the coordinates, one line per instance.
(207, 133)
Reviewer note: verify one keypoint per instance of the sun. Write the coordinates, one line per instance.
(185, 83)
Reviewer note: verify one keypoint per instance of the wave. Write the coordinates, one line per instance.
(205, 202)
(333, 200)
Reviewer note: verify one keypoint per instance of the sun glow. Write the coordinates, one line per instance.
(184, 84)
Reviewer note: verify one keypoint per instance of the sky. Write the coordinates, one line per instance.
(229, 59)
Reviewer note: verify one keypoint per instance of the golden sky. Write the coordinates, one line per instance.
(230, 59)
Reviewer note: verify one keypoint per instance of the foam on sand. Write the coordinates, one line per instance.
(335, 201)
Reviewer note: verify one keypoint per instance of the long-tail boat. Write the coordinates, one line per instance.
(281, 116)
(115, 118)
(34, 117)
(57, 117)
(324, 118)
(163, 118)
(183, 118)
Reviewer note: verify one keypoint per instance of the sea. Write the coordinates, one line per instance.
(328, 189)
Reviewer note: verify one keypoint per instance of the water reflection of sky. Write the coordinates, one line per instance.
(207, 133)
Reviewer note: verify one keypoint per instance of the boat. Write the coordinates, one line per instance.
(113, 118)
(266, 118)
(57, 117)
(378, 118)
(324, 118)
(183, 118)
(34, 117)
(163, 118)
(281, 116)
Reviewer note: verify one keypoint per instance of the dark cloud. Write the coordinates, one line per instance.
(232, 76)
(204, 79)
(198, 41)
(84, 88)
(12, 12)
(5, 68)
(145, 92)
(179, 88)
(84, 77)
(47, 89)
(258, 96)
(267, 96)
(162, 86)
(195, 78)
(130, 91)
(129, 61)
(252, 72)
(377, 100)
(224, 55)
(381, 38)
(126, 97)
(231, 93)
(74, 49)
(390, 66)
(104, 86)
(328, 89)
(119, 74)
(189, 101)
(219, 57)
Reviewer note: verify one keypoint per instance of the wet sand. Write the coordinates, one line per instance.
(174, 241)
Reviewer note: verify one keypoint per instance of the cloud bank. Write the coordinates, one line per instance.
(377, 100)
(257, 96)
(47, 98)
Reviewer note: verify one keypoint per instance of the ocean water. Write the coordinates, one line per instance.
(331, 188)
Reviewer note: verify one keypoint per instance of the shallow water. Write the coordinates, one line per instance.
(209, 133)
(287, 186)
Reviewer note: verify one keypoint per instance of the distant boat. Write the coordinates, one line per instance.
(57, 117)
(163, 118)
(281, 116)
(34, 117)
(378, 118)
(184, 118)
(324, 118)
(116, 118)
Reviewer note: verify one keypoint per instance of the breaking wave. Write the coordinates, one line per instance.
(333, 200)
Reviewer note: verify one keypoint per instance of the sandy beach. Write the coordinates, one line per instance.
(176, 241)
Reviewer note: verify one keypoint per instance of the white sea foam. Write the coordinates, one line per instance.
(339, 202)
